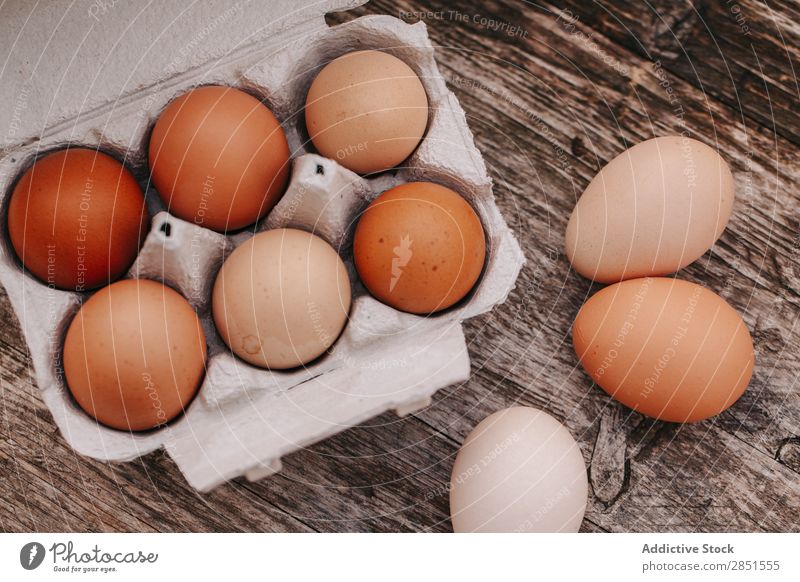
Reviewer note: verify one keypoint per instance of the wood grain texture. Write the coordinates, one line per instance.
(550, 102)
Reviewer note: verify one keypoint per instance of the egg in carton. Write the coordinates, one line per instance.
(245, 419)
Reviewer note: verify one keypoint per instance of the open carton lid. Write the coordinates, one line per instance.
(66, 60)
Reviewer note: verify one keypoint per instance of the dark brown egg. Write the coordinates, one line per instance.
(77, 219)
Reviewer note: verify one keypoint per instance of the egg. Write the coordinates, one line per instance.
(219, 158)
(281, 299)
(76, 219)
(519, 470)
(652, 210)
(667, 348)
(134, 355)
(419, 247)
(367, 110)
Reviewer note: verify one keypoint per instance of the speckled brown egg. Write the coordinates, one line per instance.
(219, 158)
(419, 247)
(134, 355)
(77, 218)
(367, 110)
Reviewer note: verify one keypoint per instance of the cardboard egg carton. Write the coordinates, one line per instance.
(245, 419)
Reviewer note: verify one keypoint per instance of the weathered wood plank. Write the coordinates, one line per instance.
(744, 52)
(549, 105)
(568, 94)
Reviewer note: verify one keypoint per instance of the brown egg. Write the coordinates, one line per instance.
(419, 247)
(219, 158)
(281, 299)
(134, 356)
(667, 348)
(654, 209)
(77, 219)
(367, 110)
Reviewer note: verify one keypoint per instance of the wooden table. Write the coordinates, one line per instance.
(551, 96)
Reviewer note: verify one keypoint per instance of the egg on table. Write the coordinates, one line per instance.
(134, 355)
(367, 110)
(667, 348)
(519, 470)
(419, 247)
(652, 210)
(281, 299)
(77, 218)
(219, 158)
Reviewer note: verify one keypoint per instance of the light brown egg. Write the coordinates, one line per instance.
(652, 210)
(77, 218)
(134, 355)
(281, 299)
(667, 348)
(519, 470)
(367, 110)
(419, 247)
(219, 158)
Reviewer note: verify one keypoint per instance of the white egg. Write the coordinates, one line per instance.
(519, 470)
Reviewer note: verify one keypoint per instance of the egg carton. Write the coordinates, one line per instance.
(245, 419)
